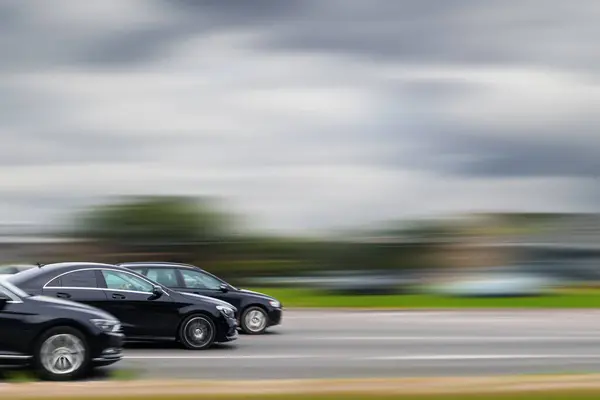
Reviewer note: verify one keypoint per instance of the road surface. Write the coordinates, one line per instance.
(343, 344)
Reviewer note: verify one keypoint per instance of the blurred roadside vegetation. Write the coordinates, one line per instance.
(398, 260)
(300, 298)
(195, 231)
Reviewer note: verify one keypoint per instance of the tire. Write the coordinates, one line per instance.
(62, 354)
(254, 321)
(191, 338)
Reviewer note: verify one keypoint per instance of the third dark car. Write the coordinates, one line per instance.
(60, 339)
(256, 311)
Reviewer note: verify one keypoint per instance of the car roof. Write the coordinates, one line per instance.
(75, 264)
(157, 264)
(43, 271)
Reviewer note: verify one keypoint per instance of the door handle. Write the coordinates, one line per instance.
(118, 296)
(63, 295)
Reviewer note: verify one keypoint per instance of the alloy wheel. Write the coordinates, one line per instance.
(62, 354)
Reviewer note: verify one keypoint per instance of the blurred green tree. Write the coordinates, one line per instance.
(155, 224)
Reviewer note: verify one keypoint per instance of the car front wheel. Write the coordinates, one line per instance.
(62, 354)
(254, 321)
(197, 332)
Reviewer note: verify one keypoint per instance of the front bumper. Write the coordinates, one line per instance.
(275, 316)
(233, 335)
(110, 349)
(228, 331)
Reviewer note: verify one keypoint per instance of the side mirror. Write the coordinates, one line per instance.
(224, 288)
(157, 292)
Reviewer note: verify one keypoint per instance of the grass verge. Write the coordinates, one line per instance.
(550, 395)
(300, 298)
(495, 388)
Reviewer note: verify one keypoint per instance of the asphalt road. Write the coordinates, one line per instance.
(314, 344)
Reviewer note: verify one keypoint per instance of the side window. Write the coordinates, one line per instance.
(164, 276)
(142, 271)
(198, 280)
(80, 279)
(118, 280)
(56, 282)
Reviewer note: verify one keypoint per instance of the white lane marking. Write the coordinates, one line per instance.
(452, 338)
(482, 357)
(230, 357)
(449, 357)
(382, 315)
(473, 314)
(352, 314)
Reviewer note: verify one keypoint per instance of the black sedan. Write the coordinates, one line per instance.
(257, 311)
(147, 310)
(61, 339)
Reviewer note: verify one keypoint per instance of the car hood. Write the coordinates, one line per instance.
(257, 294)
(53, 302)
(207, 299)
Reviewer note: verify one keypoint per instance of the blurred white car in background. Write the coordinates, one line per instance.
(497, 282)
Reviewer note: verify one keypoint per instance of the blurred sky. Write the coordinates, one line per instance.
(304, 114)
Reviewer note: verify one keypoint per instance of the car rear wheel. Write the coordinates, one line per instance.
(197, 332)
(62, 354)
(254, 321)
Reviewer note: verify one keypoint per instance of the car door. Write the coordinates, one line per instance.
(131, 300)
(12, 328)
(200, 282)
(81, 286)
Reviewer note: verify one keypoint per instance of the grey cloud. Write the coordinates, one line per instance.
(45, 148)
(131, 47)
(419, 134)
(193, 18)
(449, 31)
(31, 40)
(40, 43)
(494, 156)
(534, 32)
(238, 11)
(34, 134)
(426, 31)
(461, 150)
(408, 132)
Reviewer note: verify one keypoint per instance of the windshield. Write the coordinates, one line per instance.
(4, 283)
(218, 279)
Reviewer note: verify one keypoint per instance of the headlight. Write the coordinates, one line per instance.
(107, 325)
(226, 311)
(275, 304)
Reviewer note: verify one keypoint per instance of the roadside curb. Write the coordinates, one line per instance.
(406, 386)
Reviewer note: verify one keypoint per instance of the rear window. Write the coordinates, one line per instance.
(55, 283)
(37, 277)
(80, 279)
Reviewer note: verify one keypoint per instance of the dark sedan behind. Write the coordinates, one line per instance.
(257, 311)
